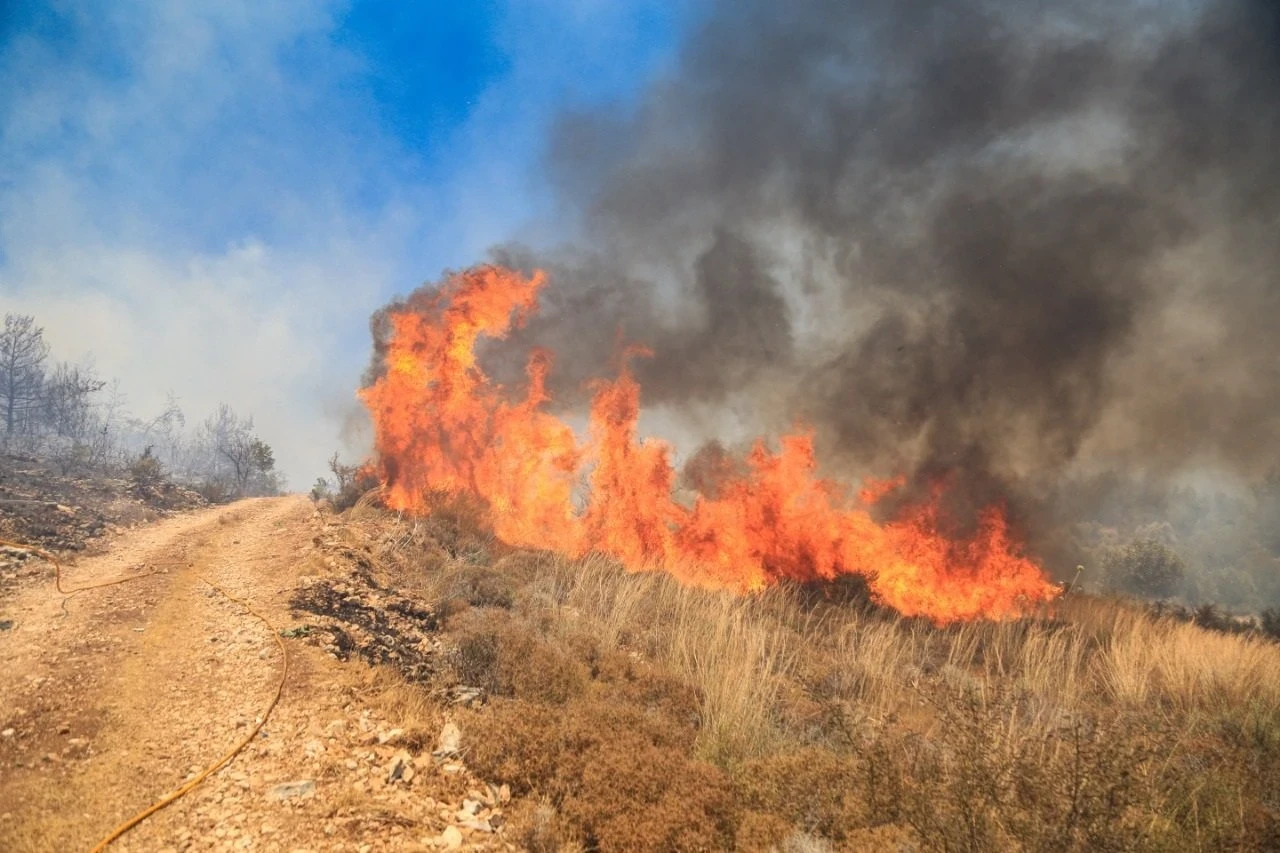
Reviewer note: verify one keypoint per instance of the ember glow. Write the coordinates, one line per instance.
(443, 427)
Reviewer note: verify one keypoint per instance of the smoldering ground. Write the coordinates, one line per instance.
(1003, 242)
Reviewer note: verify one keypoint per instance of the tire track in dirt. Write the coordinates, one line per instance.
(117, 700)
(137, 687)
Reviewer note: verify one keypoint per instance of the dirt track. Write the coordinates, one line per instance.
(117, 699)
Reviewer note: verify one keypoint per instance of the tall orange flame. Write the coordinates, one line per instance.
(442, 426)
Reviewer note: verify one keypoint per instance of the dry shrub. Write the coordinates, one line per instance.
(660, 695)
(522, 568)
(536, 826)
(541, 748)
(1091, 727)
(480, 587)
(506, 657)
(488, 586)
(986, 779)
(619, 775)
(638, 797)
(459, 524)
(1212, 804)
(760, 832)
(515, 744)
(734, 650)
(814, 790)
(459, 583)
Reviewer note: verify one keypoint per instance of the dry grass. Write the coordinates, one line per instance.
(789, 721)
(1185, 669)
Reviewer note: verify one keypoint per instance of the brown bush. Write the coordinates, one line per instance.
(814, 790)
(508, 658)
(620, 775)
(635, 797)
(514, 743)
(459, 523)
(524, 567)
(984, 779)
(481, 587)
(657, 694)
(537, 827)
(760, 832)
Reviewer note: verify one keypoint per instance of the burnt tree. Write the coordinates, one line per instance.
(22, 356)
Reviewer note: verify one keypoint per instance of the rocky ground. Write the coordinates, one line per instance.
(114, 697)
(72, 515)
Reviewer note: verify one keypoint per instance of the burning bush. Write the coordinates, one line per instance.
(444, 429)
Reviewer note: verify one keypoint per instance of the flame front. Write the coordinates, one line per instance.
(442, 426)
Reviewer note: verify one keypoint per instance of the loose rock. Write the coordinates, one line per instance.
(292, 790)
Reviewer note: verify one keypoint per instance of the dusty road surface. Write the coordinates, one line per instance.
(114, 697)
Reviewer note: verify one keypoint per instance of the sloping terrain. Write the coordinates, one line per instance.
(447, 691)
(115, 696)
(43, 507)
(627, 712)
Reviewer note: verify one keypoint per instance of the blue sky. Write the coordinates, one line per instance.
(211, 198)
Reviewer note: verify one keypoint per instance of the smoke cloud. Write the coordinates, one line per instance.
(995, 239)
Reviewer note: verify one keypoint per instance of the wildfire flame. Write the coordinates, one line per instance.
(442, 426)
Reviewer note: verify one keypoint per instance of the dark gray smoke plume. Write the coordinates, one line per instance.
(947, 233)
(1003, 240)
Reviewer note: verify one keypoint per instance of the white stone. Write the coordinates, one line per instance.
(450, 740)
(452, 838)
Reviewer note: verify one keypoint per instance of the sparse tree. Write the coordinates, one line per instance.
(71, 417)
(352, 482)
(164, 434)
(105, 447)
(22, 356)
(1146, 567)
(240, 463)
(344, 475)
(68, 401)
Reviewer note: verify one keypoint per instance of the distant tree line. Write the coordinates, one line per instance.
(1182, 544)
(69, 415)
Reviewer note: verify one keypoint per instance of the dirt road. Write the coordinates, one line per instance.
(114, 697)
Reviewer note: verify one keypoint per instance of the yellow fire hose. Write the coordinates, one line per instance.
(190, 785)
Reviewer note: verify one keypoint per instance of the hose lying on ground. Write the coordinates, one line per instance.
(190, 785)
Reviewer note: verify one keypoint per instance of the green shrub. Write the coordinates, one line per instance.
(1146, 567)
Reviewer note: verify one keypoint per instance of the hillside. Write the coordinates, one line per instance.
(74, 513)
(445, 690)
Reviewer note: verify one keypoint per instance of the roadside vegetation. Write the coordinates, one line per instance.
(626, 712)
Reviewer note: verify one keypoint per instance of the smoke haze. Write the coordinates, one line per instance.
(988, 238)
(1027, 248)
